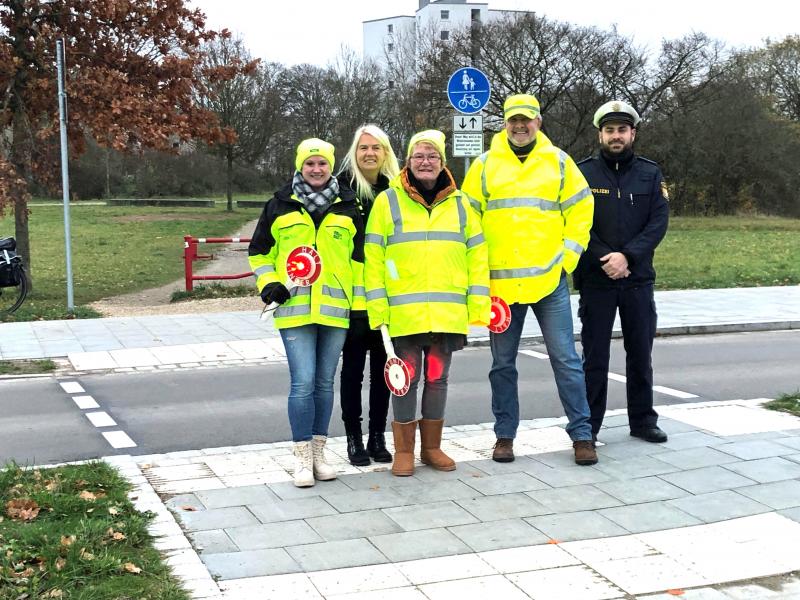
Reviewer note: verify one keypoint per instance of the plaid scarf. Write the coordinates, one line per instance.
(316, 203)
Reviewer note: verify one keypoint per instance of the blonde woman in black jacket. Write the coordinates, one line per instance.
(368, 167)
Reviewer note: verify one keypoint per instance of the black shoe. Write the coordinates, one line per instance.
(652, 434)
(376, 447)
(356, 453)
(503, 450)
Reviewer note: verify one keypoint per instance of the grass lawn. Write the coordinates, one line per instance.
(115, 250)
(789, 403)
(71, 532)
(721, 252)
(19, 367)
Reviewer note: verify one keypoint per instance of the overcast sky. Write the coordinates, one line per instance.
(313, 31)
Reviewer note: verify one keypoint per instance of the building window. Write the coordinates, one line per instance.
(445, 35)
(444, 15)
(391, 84)
(390, 47)
(390, 28)
(476, 14)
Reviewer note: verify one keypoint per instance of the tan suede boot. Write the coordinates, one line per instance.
(430, 433)
(404, 437)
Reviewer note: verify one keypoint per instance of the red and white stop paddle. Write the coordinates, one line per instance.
(500, 317)
(395, 371)
(303, 268)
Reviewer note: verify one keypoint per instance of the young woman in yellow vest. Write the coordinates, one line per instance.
(427, 279)
(310, 210)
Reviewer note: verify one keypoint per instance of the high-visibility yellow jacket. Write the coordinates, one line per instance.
(536, 216)
(426, 270)
(284, 225)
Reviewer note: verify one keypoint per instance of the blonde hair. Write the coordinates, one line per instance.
(390, 167)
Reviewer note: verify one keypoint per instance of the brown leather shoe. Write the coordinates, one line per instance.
(503, 450)
(430, 435)
(585, 453)
(404, 437)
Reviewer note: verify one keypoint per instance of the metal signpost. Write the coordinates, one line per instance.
(62, 117)
(468, 90)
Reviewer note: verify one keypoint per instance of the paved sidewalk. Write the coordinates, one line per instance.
(189, 340)
(718, 503)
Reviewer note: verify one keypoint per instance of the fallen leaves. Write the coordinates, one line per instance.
(131, 568)
(91, 496)
(67, 540)
(22, 510)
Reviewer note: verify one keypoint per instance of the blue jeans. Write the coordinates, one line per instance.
(555, 320)
(313, 353)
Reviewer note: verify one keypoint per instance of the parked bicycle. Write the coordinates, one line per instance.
(13, 279)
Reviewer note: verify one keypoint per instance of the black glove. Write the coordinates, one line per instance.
(275, 292)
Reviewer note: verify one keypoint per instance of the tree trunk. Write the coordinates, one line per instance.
(108, 175)
(229, 177)
(20, 157)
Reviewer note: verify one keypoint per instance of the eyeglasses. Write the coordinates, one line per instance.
(431, 158)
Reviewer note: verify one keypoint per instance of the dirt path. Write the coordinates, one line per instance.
(228, 259)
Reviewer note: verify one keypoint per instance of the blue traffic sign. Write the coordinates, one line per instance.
(468, 90)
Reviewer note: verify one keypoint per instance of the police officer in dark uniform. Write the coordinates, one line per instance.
(616, 271)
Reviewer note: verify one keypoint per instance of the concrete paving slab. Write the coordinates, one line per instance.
(719, 506)
(273, 535)
(353, 525)
(476, 588)
(574, 498)
(633, 468)
(504, 506)
(506, 484)
(754, 449)
(414, 545)
(651, 516)
(645, 489)
(696, 458)
(290, 510)
(217, 518)
(428, 516)
(236, 496)
(213, 541)
(576, 583)
(777, 495)
(765, 470)
(250, 563)
(336, 555)
(707, 479)
(576, 526)
(496, 535)
(358, 500)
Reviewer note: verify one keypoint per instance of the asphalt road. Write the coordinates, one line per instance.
(193, 409)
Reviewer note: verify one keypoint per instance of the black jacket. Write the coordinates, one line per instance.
(282, 203)
(630, 216)
(346, 180)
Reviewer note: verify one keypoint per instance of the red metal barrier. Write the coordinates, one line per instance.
(190, 255)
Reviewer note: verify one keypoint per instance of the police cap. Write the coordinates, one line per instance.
(617, 111)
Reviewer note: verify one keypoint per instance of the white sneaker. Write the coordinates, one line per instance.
(303, 464)
(322, 470)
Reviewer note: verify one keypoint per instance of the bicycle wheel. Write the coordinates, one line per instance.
(11, 298)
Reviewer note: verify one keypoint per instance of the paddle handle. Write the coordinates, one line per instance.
(267, 311)
(387, 341)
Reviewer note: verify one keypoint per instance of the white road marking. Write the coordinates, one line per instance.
(119, 439)
(101, 419)
(85, 402)
(670, 392)
(534, 354)
(71, 387)
(622, 379)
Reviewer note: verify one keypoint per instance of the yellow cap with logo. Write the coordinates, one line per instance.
(314, 147)
(521, 104)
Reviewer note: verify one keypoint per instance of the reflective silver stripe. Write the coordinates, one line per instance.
(478, 290)
(475, 205)
(531, 107)
(574, 246)
(293, 311)
(359, 290)
(333, 292)
(526, 272)
(376, 294)
(374, 238)
(462, 217)
(300, 290)
(575, 198)
(394, 207)
(475, 240)
(401, 299)
(539, 203)
(332, 311)
(562, 168)
(264, 269)
(421, 236)
(484, 188)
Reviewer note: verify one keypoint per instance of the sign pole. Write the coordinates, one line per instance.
(62, 117)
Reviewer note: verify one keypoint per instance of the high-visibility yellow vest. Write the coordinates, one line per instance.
(339, 288)
(425, 271)
(536, 216)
